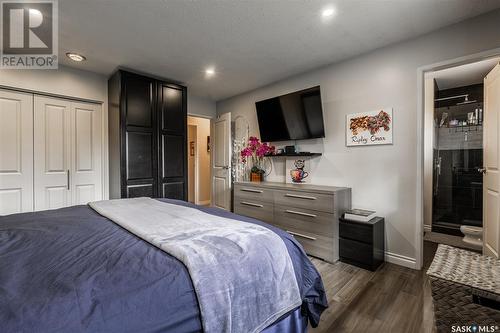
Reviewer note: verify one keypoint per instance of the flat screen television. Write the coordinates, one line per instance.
(294, 116)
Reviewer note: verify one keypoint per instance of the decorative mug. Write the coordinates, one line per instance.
(298, 175)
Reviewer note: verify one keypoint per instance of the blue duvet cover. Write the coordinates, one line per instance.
(72, 270)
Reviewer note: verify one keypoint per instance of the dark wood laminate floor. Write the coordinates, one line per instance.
(392, 299)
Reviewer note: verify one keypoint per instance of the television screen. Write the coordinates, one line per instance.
(294, 116)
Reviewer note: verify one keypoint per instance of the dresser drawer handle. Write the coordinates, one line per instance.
(251, 204)
(300, 213)
(301, 235)
(300, 196)
(250, 190)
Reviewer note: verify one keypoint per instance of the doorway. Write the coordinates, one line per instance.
(453, 153)
(199, 156)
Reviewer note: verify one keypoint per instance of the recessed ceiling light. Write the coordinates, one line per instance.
(328, 12)
(210, 71)
(75, 56)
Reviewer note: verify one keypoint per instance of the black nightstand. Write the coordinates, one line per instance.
(362, 243)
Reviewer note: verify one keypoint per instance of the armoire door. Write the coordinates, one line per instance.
(16, 152)
(139, 161)
(172, 142)
(67, 153)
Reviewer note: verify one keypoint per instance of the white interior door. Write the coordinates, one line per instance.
(221, 162)
(67, 153)
(86, 164)
(52, 153)
(491, 179)
(16, 152)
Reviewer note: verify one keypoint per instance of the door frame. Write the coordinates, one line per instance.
(196, 152)
(196, 163)
(421, 148)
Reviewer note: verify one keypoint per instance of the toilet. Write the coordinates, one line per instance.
(473, 236)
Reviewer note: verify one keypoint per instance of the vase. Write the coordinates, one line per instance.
(256, 176)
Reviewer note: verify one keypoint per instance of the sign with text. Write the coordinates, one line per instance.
(29, 37)
(369, 128)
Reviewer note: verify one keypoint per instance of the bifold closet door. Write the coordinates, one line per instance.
(86, 143)
(52, 152)
(67, 153)
(16, 152)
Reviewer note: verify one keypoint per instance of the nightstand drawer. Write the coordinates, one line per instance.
(355, 251)
(304, 219)
(259, 210)
(253, 192)
(307, 200)
(356, 231)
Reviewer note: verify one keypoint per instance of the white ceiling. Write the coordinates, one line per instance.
(250, 43)
(464, 75)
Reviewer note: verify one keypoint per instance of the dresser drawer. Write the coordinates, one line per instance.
(315, 245)
(356, 231)
(307, 200)
(254, 193)
(306, 220)
(259, 210)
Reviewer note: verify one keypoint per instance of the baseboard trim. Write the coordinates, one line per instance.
(400, 260)
(203, 203)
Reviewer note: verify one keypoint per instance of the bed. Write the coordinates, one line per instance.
(73, 270)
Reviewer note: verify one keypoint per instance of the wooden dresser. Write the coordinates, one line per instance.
(308, 212)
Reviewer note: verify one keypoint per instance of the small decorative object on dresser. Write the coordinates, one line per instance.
(256, 151)
(362, 243)
(308, 212)
(297, 170)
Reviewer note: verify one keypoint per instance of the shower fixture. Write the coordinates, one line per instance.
(464, 96)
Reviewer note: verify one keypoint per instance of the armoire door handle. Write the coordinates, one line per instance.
(67, 176)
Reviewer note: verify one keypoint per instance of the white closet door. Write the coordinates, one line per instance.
(86, 171)
(52, 153)
(68, 162)
(16, 152)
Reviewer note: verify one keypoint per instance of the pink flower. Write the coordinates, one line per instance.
(256, 149)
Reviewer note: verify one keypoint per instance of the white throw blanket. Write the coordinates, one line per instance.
(241, 272)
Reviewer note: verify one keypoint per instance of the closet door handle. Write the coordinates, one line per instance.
(67, 177)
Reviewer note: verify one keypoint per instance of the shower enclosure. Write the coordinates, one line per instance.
(458, 160)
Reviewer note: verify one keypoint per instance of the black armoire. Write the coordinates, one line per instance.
(147, 137)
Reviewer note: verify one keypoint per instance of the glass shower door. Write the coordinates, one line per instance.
(457, 155)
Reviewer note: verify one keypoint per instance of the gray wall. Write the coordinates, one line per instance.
(198, 106)
(382, 177)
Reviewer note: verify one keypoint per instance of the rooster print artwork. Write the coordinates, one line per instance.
(369, 128)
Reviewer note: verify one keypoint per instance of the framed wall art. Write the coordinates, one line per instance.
(369, 128)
